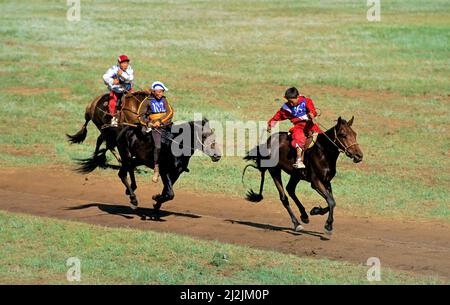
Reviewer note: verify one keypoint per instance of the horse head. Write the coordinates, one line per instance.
(345, 139)
(207, 140)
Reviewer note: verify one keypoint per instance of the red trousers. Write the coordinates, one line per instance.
(300, 131)
(113, 98)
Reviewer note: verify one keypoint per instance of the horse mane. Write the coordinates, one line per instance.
(138, 94)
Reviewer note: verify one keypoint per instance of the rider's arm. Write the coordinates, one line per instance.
(279, 116)
(128, 75)
(108, 77)
(168, 115)
(311, 109)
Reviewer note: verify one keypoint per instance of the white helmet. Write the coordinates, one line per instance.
(159, 86)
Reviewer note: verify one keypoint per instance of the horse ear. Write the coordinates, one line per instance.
(339, 121)
(351, 121)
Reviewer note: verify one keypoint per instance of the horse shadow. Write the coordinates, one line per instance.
(278, 228)
(129, 213)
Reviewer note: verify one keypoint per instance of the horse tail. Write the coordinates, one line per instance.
(88, 165)
(80, 136)
(251, 156)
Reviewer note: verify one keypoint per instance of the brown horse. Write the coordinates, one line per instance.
(320, 162)
(98, 112)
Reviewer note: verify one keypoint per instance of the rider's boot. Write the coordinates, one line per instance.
(155, 173)
(299, 162)
(114, 121)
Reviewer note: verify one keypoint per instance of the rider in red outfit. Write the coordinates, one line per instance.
(301, 112)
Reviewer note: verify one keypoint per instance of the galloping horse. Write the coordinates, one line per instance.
(97, 111)
(320, 162)
(136, 148)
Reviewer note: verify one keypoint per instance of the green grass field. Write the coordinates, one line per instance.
(231, 60)
(112, 256)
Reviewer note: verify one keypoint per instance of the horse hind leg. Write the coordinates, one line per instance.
(292, 184)
(276, 176)
(99, 143)
(123, 177)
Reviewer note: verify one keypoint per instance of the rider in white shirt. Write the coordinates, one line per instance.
(119, 79)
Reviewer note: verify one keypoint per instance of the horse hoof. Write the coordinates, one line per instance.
(134, 202)
(328, 229)
(318, 211)
(299, 228)
(305, 220)
(315, 211)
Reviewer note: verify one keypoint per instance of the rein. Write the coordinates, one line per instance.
(192, 148)
(166, 137)
(336, 138)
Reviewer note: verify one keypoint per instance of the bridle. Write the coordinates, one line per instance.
(342, 144)
(200, 140)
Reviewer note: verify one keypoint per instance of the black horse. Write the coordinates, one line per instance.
(320, 162)
(136, 146)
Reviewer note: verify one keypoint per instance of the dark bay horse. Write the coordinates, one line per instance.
(136, 148)
(320, 162)
(97, 111)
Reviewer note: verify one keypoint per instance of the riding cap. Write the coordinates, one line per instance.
(159, 86)
(123, 58)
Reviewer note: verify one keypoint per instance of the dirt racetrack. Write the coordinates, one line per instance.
(421, 247)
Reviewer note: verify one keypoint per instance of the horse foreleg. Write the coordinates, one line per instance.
(276, 176)
(133, 180)
(320, 187)
(328, 186)
(123, 176)
(319, 210)
(292, 184)
(167, 193)
(116, 155)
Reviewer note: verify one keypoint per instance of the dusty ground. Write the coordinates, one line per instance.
(421, 247)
